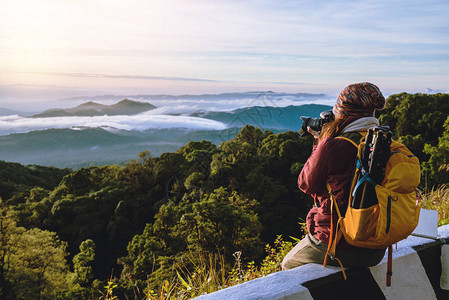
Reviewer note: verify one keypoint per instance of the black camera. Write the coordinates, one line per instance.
(316, 123)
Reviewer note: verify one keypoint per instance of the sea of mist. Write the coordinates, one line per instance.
(171, 112)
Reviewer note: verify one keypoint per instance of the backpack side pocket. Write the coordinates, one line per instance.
(398, 215)
(360, 223)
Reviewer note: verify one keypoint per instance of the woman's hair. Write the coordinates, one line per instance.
(330, 129)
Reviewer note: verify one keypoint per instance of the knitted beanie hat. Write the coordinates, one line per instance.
(359, 99)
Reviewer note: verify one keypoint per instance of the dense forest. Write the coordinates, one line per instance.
(65, 234)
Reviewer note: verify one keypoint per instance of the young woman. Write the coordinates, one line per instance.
(333, 161)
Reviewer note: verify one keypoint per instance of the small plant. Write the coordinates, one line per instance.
(109, 290)
(200, 274)
(109, 293)
(205, 273)
(167, 291)
(270, 264)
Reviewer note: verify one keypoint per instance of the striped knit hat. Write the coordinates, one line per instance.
(359, 99)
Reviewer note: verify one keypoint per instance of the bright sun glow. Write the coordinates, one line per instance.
(282, 45)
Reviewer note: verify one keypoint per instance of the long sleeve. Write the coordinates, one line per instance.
(332, 161)
(312, 179)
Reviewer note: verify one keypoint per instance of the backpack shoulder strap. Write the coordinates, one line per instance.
(353, 137)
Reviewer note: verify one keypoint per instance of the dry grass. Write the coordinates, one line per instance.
(201, 274)
(437, 199)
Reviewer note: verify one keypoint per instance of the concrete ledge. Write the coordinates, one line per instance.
(416, 275)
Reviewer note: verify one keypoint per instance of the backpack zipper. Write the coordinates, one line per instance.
(388, 214)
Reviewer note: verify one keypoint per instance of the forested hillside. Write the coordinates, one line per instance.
(64, 234)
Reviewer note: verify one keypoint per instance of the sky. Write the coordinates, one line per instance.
(50, 49)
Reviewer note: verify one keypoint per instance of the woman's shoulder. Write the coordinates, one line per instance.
(353, 137)
(341, 143)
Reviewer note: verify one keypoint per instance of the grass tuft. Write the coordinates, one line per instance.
(437, 199)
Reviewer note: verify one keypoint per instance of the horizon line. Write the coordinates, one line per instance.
(149, 77)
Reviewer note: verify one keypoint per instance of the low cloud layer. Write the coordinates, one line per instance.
(141, 122)
(171, 112)
(185, 106)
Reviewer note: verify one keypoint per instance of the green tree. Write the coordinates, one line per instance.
(198, 156)
(223, 221)
(264, 166)
(15, 178)
(33, 210)
(416, 119)
(220, 222)
(34, 264)
(7, 228)
(437, 168)
(82, 263)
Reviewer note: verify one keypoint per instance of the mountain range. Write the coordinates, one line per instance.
(124, 107)
(80, 146)
(8, 112)
(279, 118)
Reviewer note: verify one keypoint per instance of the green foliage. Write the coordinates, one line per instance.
(198, 155)
(437, 167)
(32, 263)
(110, 290)
(201, 273)
(220, 222)
(270, 264)
(38, 265)
(416, 119)
(82, 263)
(261, 165)
(15, 178)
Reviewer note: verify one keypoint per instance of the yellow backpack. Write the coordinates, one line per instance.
(382, 213)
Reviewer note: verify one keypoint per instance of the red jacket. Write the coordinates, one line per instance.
(332, 161)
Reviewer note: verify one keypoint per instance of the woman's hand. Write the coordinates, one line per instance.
(315, 133)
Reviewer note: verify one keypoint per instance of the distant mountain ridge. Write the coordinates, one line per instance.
(85, 146)
(124, 107)
(280, 118)
(7, 112)
(221, 96)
